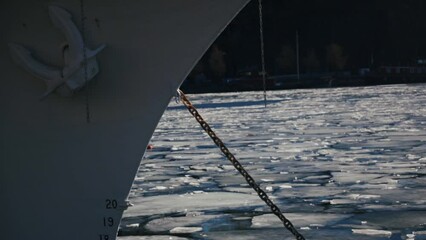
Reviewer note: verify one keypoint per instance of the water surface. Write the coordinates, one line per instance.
(346, 163)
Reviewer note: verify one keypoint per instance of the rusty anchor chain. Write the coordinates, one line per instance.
(262, 194)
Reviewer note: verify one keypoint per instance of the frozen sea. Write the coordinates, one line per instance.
(345, 163)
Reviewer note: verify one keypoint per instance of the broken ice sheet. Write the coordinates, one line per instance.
(157, 237)
(217, 201)
(373, 232)
(168, 224)
(393, 219)
(299, 220)
(364, 148)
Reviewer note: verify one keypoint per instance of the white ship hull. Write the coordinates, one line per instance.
(64, 178)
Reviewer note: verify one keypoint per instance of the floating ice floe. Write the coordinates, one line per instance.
(360, 196)
(181, 230)
(373, 232)
(217, 201)
(156, 237)
(299, 220)
(170, 224)
(341, 201)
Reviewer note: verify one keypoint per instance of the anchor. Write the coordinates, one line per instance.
(73, 76)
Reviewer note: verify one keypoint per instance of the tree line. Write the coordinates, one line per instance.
(333, 35)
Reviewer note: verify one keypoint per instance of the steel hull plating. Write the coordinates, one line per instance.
(64, 178)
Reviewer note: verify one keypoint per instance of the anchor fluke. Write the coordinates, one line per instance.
(50, 75)
(73, 75)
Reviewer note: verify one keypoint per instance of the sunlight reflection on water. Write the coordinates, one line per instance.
(346, 163)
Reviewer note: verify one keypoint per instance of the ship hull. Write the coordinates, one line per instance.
(62, 176)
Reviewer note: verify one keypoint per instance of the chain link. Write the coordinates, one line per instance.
(262, 50)
(262, 195)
